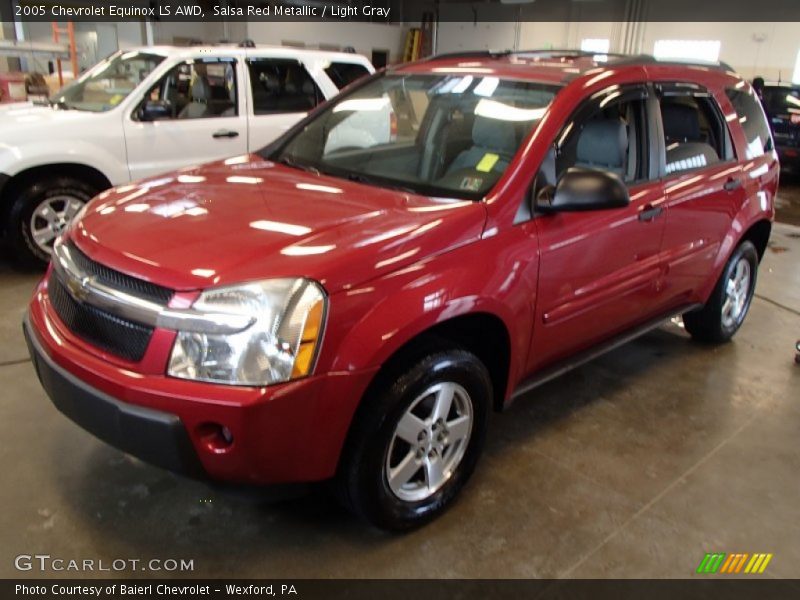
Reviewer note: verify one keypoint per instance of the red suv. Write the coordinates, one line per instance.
(350, 302)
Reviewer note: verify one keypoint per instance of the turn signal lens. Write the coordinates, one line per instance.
(308, 342)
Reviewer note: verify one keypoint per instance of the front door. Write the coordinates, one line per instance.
(206, 118)
(600, 271)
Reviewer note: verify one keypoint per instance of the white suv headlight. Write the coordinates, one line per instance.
(279, 346)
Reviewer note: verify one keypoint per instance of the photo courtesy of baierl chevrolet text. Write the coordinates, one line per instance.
(344, 299)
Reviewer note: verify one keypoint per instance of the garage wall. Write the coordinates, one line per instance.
(364, 37)
(775, 54)
(767, 49)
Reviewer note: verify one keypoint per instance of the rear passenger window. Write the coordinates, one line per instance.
(751, 118)
(695, 132)
(282, 86)
(343, 74)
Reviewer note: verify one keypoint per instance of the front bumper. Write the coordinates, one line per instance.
(292, 432)
(156, 437)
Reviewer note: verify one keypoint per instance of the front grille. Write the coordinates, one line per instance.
(120, 281)
(118, 336)
(109, 332)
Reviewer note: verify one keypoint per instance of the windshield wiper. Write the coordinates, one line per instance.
(291, 162)
(361, 178)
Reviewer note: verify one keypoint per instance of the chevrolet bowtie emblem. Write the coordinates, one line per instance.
(79, 288)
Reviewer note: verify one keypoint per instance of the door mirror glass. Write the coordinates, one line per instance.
(153, 110)
(581, 189)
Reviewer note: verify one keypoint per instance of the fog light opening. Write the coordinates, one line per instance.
(215, 437)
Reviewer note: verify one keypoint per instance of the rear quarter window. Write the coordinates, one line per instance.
(343, 74)
(751, 118)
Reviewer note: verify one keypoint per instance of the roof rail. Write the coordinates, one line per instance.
(616, 57)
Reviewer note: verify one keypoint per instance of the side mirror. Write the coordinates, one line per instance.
(587, 189)
(153, 110)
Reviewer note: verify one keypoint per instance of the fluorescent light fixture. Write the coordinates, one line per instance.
(796, 75)
(691, 50)
(598, 45)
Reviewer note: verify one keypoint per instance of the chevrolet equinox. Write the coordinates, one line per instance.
(350, 302)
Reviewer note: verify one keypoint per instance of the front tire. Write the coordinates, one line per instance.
(40, 212)
(417, 440)
(727, 307)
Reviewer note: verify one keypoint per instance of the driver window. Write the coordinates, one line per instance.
(198, 89)
(608, 135)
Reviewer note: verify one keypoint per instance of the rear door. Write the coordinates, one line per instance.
(206, 121)
(600, 271)
(704, 186)
(281, 90)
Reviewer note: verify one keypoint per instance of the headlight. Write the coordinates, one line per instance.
(280, 345)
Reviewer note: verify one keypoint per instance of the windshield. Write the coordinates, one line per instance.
(107, 83)
(440, 135)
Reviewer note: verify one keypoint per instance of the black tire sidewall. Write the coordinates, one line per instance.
(26, 252)
(376, 500)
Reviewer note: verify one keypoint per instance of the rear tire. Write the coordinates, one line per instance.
(416, 441)
(40, 211)
(728, 304)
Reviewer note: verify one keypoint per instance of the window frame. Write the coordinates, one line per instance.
(319, 95)
(684, 88)
(231, 60)
(758, 104)
(652, 140)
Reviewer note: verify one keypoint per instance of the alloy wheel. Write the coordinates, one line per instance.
(429, 442)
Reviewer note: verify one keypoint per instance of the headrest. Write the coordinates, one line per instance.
(681, 122)
(270, 82)
(201, 91)
(308, 87)
(603, 142)
(495, 134)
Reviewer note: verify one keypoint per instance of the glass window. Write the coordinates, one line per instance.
(751, 118)
(198, 89)
(782, 100)
(695, 133)
(343, 74)
(445, 134)
(609, 134)
(282, 86)
(109, 83)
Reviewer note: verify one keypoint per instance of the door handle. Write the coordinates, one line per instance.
(732, 184)
(225, 133)
(650, 212)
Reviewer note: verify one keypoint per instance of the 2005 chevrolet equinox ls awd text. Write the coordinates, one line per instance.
(350, 307)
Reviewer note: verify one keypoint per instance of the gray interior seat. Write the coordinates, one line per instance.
(198, 107)
(489, 136)
(686, 145)
(603, 144)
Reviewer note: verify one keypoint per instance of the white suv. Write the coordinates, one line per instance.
(146, 111)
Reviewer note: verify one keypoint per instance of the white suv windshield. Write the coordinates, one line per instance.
(108, 83)
(446, 135)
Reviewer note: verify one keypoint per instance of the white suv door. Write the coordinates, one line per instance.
(282, 91)
(202, 117)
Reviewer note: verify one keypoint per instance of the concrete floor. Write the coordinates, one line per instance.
(634, 465)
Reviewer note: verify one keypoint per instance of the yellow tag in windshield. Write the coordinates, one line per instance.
(487, 162)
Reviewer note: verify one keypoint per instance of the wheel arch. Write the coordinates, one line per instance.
(17, 182)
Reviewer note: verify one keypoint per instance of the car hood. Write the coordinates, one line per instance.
(248, 218)
(20, 119)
